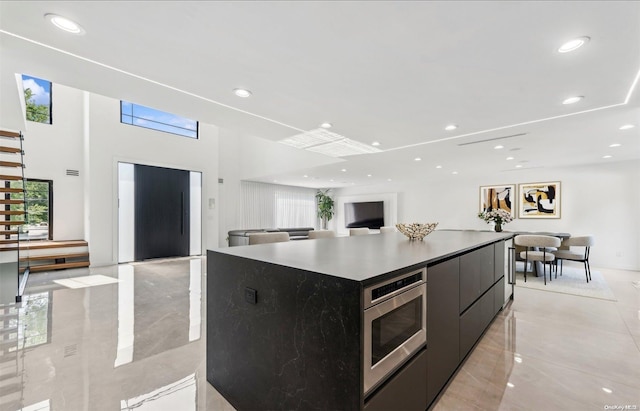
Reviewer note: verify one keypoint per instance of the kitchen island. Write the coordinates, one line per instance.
(285, 324)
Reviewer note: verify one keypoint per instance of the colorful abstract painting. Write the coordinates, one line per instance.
(498, 197)
(539, 200)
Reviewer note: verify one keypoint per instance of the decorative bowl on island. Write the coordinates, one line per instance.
(416, 231)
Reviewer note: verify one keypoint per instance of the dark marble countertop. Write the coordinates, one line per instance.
(362, 258)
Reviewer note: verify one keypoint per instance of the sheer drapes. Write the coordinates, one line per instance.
(277, 206)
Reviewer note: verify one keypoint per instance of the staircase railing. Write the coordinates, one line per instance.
(14, 273)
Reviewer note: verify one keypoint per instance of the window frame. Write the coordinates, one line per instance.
(49, 211)
(197, 129)
(50, 122)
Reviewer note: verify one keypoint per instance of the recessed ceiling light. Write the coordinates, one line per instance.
(375, 143)
(388, 179)
(615, 145)
(518, 165)
(451, 127)
(607, 156)
(438, 166)
(343, 170)
(368, 175)
(573, 44)
(454, 172)
(572, 100)
(509, 158)
(498, 147)
(64, 23)
(510, 385)
(305, 176)
(417, 159)
(326, 125)
(240, 92)
(518, 360)
(607, 390)
(627, 127)
(331, 180)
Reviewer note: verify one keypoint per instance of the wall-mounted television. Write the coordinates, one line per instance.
(367, 214)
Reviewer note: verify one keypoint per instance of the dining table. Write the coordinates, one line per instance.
(537, 267)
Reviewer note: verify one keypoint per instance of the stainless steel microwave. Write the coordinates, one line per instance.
(395, 325)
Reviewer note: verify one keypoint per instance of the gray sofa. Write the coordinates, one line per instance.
(241, 237)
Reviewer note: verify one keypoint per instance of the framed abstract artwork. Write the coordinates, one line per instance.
(539, 200)
(498, 197)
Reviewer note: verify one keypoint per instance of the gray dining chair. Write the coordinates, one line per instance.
(566, 253)
(536, 250)
(264, 238)
(321, 234)
(358, 231)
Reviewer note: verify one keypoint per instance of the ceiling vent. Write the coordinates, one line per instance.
(492, 139)
(74, 173)
(329, 143)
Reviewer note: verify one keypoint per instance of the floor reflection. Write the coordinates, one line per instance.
(180, 395)
(136, 341)
(113, 338)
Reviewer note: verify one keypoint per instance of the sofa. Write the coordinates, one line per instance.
(241, 237)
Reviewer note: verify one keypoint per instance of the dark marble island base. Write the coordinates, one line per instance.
(285, 321)
(297, 348)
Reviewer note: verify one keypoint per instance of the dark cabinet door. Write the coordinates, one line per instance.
(476, 275)
(499, 260)
(474, 321)
(161, 212)
(443, 284)
(404, 391)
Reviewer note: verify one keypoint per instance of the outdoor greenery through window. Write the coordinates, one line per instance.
(37, 97)
(39, 209)
(147, 117)
(34, 328)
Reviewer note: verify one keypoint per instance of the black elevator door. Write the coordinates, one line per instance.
(161, 212)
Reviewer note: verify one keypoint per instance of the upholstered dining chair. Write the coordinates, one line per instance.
(565, 252)
(536, 250)
(387, 229)
(321, 234)
(358, 231)
(264, 238)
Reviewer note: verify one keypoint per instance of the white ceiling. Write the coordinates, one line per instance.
(392, 72)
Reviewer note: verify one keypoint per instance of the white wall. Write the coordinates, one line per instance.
(245, 157)
(111, 141)
(87, 135)
(51, 149)
(597, 199)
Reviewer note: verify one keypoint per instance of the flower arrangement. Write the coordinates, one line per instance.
(499, 217)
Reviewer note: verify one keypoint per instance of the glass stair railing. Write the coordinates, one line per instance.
(14, 271)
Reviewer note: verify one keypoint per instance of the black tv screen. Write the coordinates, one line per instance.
(369, 214)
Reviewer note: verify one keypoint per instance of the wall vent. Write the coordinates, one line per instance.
(220, 180)
(74, 173)
(70, 350)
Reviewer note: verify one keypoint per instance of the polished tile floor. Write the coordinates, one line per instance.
(133, 337)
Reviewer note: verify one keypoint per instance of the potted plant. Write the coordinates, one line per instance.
(499, 217)
(325, 207)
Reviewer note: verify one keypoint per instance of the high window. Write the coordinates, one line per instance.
(37, 97)
(141, 116)
(39, 195)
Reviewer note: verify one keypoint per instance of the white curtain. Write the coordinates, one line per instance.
(277, 206)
